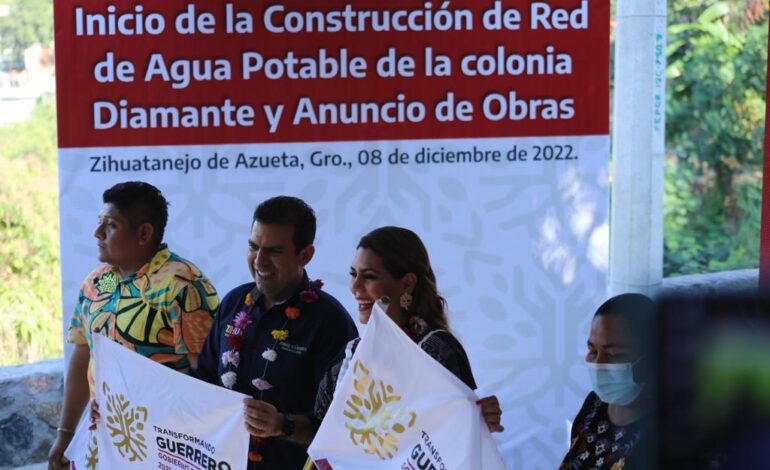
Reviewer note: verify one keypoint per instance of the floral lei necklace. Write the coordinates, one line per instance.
(236, 334)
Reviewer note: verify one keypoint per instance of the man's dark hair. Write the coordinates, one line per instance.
(636, 312)
(140, 202)
(292, 211)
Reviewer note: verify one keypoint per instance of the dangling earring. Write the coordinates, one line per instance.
(406, 300)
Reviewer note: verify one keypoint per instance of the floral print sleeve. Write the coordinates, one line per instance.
(192, 314)
(76, 333)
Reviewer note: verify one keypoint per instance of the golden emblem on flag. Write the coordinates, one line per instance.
(374, 418)
(92, 457)
(125, 424)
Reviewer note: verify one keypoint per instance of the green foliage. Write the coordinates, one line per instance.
(715, 126)
(30, 285)
(30, 22)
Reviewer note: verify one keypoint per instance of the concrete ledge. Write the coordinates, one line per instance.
(30, 405)
(742, 281)
(36, 466)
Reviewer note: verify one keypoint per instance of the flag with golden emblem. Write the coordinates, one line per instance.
(153, 417)
(397, 408)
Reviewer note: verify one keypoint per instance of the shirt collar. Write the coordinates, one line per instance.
(156, 262)
(305, 284)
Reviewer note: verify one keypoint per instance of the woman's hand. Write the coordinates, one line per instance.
(492, 412)
(262, 419)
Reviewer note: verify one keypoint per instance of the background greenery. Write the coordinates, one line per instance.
(30, 287)
(715, 123)
(717, 58)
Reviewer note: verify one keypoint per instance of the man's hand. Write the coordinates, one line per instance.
(75, 399)
(262, 419)
(492, 412)
(56, 454)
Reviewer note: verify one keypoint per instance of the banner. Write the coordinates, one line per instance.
(483, 126)
(153, 417)
(397, 407)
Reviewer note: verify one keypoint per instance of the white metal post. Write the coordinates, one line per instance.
(638, 138)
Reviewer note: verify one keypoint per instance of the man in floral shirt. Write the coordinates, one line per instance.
(275, 337)
(145, 297)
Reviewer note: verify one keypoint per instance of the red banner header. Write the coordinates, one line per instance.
(183, 72)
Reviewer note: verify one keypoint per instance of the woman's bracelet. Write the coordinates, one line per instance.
(65, 430)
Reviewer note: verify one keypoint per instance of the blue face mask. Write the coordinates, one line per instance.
(614, 383)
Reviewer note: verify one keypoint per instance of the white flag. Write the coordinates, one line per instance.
(153, 417)
(397, 408)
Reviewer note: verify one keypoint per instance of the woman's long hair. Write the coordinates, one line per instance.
(402, 252)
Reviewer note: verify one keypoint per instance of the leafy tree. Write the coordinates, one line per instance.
(29, 22)
(715, 125)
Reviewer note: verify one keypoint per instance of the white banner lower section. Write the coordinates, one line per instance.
(397, 407)
(516, 228)
(156, 418)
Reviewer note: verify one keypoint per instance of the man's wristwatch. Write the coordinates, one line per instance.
(287, 428)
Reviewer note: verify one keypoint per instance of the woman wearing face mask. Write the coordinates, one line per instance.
(613, 428)
(391, 264)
